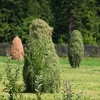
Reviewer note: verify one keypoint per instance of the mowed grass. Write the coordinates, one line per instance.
(85, 79)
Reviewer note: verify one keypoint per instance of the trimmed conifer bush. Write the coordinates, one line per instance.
(75, 49)
(41, 58)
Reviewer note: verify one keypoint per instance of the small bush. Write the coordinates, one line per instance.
(69, 94)
(41, 58)
(75, 49)
(11, 84)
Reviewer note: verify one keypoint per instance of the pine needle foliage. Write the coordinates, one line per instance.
(41, 58)
(75, 49)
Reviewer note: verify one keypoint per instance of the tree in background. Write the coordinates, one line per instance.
(16, 15)
(63, 15)
(65, 20)
(88, 21)
(11, 14)
(36, 9)
(40, 9)
(98, 14)
(75, 49)
(77, 14)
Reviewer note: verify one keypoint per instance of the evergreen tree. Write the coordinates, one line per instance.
(65, 20)
(63, 15)
(88, 21)
(11, 15)
(40, 9)
(36, 9)
(77, 14)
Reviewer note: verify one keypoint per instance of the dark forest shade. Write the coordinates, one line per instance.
(41, 58)
(63, 15)
(75, 49)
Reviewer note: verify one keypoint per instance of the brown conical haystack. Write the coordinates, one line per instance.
(17, 51)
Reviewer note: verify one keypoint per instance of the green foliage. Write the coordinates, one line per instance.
(38, 85)
(11, 14)
(11, 84)
(77, 14)
(69, 94)
(88, 21)
(24, 28)
(64, 18)
(41, 58)
(60, 40)
(40, 9)
(32, 65)
(63, 15)
(75, 49)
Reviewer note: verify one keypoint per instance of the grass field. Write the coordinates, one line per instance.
(85, 79)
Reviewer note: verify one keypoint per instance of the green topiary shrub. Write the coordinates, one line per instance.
(41, 58)
(75, 49)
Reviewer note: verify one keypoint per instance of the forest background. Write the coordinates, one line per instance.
(63, 15)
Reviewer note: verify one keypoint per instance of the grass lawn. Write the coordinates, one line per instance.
(85, 79)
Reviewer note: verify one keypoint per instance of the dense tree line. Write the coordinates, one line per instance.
(12, 12)
(63, 15)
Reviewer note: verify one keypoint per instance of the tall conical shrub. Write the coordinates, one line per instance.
(41, 58)
(75, 49)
